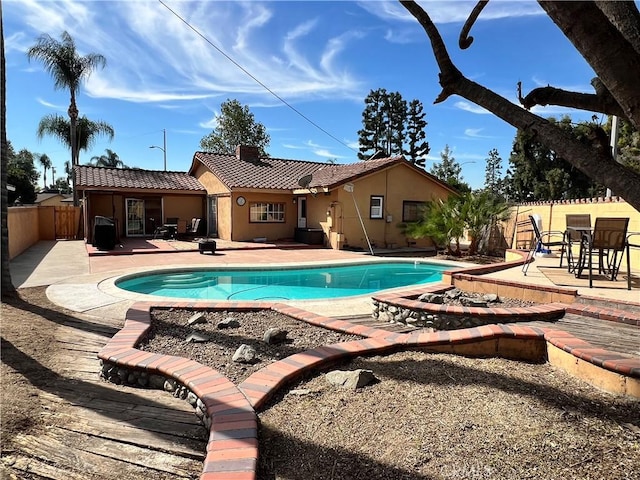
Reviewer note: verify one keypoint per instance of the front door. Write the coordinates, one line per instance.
(302, 212)
(135, 217)
(212, 220)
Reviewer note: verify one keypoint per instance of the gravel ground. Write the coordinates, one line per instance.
(169, 330)
(430, 416)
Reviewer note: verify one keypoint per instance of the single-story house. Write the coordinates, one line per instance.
(251, 198)
(137, 200)
(245, 197)
(53, 199)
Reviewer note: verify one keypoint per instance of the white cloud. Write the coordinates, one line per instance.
(154, 56)
(61, 108)
(469, 107)
(449, 11)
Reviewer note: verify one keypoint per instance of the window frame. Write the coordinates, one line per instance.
(271, 211)
(376, 216)
(418, 204)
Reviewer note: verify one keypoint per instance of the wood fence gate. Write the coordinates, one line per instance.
(66, 222)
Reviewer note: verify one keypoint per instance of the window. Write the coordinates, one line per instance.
(411, 210)
(375, 210)
(266, 212)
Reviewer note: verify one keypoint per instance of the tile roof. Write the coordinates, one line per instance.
(130, 178)
(282, 174)
(266, 172)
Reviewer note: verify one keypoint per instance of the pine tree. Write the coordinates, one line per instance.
(493, 174)
(373, 132)
(417, 147)
(395, 116)
(390, 127)
(448, 170)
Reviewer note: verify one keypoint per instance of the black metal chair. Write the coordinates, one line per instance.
(609, 240)
(577, 224)
(543, 240)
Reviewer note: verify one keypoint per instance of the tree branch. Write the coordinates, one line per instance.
(613, 58)
(601, 102)
(465, 41)
(593, 160)
(448, 71)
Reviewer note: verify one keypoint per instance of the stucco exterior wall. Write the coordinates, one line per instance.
(396, 185)
(245, 230)
(24, 228)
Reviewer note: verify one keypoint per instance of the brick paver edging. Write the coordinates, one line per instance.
(232, 448)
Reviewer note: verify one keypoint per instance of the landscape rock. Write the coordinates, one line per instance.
(490, 297)
(245, 354)
(275, 335)
(351, 379)
(197, 318)
(196, 337)
(436, 298)
(473, 302)
(228, 322)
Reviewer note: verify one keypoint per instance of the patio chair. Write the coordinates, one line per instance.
(168, 230)
(576, 225)
(633, 241)
(543, 240)
(609, 240)
(193, 227)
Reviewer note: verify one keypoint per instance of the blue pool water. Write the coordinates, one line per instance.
(283, 284)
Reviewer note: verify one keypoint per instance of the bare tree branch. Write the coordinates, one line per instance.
(625, 17)
(613, 58)
(465, 40)
(583, 101)
(594, 160)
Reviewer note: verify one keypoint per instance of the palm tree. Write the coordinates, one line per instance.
(68, 70)
(7, 289)
(45, 161)
(87, 131)
(111, 159)
(68, 170)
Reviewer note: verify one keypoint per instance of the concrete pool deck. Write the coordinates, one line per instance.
(84, 283)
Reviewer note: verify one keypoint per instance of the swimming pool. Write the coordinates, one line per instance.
(319, 282)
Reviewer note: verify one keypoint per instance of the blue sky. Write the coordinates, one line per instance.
(322, 58)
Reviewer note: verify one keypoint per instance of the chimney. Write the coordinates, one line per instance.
(247, 153)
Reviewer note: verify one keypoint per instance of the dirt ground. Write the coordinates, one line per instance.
(427, 417)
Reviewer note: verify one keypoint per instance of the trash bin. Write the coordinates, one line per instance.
(104, 233)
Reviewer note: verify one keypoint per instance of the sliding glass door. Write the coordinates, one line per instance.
(135, 217)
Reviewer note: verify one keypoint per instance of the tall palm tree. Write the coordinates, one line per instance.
(7, 289)
(111, 159)
(45, 161)
(87, 131)
(68, 69)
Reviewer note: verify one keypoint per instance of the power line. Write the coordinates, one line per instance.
(254, 78)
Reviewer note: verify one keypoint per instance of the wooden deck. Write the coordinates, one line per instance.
(616, 337)
(101, 430)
